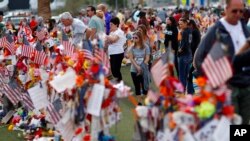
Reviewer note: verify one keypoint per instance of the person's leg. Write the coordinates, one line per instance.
(190, 87)
(119, 64)
(181, 67)
(140, 78)
(115, 63)
(184, 67)
(176, 64)
(244, 104)
(136, 83)
(112, 65)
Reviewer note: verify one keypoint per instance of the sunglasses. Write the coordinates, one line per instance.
(135, 37)
(235, 11)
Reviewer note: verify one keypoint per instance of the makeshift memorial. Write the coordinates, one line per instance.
(58, 89)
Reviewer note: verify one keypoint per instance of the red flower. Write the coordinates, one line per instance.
(228, 110)
(95, 68)
(197, 100)
(221, 98)
(79, 80)
(78, 131)
(87, 137)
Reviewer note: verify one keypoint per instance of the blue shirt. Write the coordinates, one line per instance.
(108, 17)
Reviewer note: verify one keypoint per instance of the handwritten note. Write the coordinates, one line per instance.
(205, 133)
(221, 133)
(38, 95)
(95, 100)
(63, 82)
(66, 130)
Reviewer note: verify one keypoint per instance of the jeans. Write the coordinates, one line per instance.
(138, 83)
(115, 63)
(87, 45)
(190, 85)
(241, 102)
(184, 63)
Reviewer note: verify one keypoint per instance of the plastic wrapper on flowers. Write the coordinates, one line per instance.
(59, 90)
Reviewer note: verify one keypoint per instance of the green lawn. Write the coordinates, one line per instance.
(123, 131)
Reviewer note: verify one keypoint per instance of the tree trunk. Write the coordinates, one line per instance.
(44, 9)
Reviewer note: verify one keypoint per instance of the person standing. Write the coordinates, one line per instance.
(138, 55)
(171, 35)
(184, 52)
(233, 33)
(95, 24)
(115, 41)
(196, 37)
(76, 26)
(107, 15)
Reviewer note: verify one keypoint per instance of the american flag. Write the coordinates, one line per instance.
(12, 92)
(88, 54)
(40, 57)
(159, 70)
(66, 130)
(39, 46)
(10, 44)
(2, 41)
(152, 96)
(25, 30)
(54, 115)
(20, 33)
(217, 66)
(102, 58)
(27, 50)
(68, 46)
(26, 100)
(40, 33)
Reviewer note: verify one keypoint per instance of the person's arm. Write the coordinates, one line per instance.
(131, 57)
(240, 63)
(77, 38)
(147, 55)
(92, 26)
(91, 34)
(242, 55)
(112, 38)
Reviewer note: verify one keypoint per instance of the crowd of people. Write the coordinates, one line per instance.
(142, 38)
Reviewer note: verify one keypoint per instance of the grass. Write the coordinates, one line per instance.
(123, 131)
(6, 135)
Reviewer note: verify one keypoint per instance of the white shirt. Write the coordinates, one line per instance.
(117, 47)
(236, 33)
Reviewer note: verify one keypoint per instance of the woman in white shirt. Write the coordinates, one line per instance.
(115, 42)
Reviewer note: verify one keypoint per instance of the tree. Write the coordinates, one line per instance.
(44, 9)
